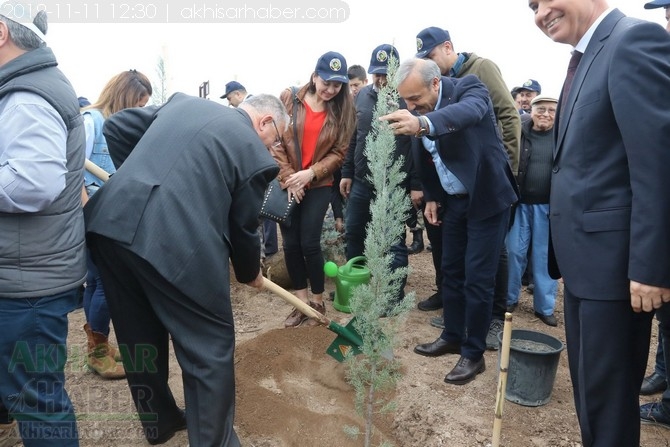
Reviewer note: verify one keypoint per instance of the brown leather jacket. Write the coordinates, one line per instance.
(331, 146)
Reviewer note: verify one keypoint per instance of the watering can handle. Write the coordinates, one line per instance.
(353, 261)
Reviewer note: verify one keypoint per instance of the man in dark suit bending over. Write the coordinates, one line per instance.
(162, 230)
(610, 206)
(469, 188)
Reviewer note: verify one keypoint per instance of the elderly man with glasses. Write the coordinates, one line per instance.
(531, 219)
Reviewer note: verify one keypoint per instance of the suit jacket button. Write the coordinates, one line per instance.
(555, 169)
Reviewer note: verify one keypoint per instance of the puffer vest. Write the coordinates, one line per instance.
(43, 253)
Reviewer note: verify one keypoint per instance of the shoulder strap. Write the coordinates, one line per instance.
(296, 144)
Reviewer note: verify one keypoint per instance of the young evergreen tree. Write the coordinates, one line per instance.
(375, 305)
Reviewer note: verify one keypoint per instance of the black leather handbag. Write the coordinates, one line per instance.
(276, 205)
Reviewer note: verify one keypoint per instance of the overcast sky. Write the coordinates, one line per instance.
(267, 57)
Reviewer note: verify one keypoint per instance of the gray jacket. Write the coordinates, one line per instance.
(43, 253)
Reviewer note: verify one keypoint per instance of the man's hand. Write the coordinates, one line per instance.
(345, 187)
(430, 211)
(417, 198)
(402, 122)
(257, 283)
(646, 298)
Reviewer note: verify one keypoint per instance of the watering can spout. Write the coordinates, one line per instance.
(347, 277)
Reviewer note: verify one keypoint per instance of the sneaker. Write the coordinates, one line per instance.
(437, 322)
(654, 414)
(495, 328)
(9, 434)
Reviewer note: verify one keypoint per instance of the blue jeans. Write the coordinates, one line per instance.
(33, 354)
(95, 304)
(531, 226)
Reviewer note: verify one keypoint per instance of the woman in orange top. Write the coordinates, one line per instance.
(325, 120)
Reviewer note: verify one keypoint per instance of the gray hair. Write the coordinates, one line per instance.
(427, 69)
(266, 104)
(23, 37)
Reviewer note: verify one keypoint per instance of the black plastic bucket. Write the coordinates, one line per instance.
(533, 362)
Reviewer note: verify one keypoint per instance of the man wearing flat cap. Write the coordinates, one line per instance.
(235, 93)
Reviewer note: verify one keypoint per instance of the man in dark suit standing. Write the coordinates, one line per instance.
(610, 206)
(162, 230)
(468, 188)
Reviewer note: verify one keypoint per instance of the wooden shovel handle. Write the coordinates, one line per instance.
(295, 301)
(96, 170)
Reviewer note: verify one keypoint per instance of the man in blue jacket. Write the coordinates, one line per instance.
(468, 189)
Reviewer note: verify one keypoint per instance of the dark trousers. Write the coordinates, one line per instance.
(501, 279)
(470, 256)
(663, 316)
(146, 310)
(607, 346)
(270, 241)
(302, 241)
(358, 217)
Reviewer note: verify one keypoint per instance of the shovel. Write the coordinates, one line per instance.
(348, 341)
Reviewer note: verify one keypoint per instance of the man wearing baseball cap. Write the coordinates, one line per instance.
(355, 185)
(525, 93)
(235, 93)
(42, 247)
(661, 4)
(658, 413)
(435, 43)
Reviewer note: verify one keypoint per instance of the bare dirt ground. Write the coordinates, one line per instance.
(290, 393)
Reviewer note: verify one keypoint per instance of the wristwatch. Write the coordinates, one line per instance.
(424, 127)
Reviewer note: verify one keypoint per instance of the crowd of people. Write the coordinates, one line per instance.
(511, 185)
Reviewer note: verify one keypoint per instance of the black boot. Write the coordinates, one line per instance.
(417, 242)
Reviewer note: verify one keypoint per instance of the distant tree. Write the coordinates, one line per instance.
(160, 88)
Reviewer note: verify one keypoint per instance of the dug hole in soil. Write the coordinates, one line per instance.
(291, 393)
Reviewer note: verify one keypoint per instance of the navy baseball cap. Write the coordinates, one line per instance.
(657, 4)
(428, 39)
(379, 60)
(231, 87)
(332, 66)
(530, 85)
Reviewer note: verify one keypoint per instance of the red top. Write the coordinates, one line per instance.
(310, 134)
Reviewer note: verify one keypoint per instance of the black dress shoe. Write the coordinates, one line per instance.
(180, 424)
(437, 348)
(434, 302)
(465, 371)
(652, 384)
(549, 320)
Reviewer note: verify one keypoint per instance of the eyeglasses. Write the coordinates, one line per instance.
(543, 110)
(279, 141)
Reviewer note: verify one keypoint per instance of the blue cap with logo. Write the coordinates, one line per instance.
(428, 39)
(657, 4)
(231, 87)
(531, 85)
(379, 60)
(332, 66)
